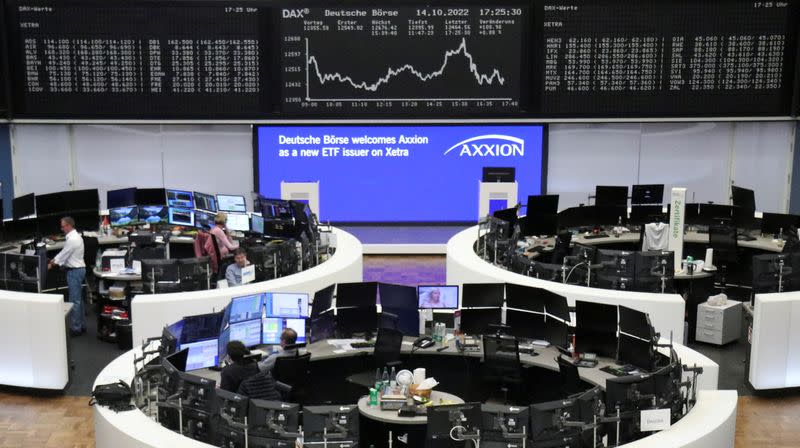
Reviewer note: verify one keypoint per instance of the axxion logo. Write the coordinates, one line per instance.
(490, 145)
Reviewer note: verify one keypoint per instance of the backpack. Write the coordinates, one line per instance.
(116, 396)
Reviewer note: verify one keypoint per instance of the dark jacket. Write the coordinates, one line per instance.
(233, 375)
(260, 386)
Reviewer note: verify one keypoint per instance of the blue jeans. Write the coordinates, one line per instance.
(75, 279)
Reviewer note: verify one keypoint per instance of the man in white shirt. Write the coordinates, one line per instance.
(233, 274)
(71, 259)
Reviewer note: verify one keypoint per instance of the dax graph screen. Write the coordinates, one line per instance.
(433, 171)
(404, 60)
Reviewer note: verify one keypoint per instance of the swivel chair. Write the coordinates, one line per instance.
(294, 372)
(386, 353)
(570, 378)
(724, 241)
(501, 365)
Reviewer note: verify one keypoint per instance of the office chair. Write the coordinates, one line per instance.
(570, 378)
(294, 372)
(724, 241)
(561, 250)
(501, 365)
(200, 243)
(386, 354)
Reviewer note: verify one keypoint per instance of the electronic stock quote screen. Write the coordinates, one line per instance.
(667, 57)
(136, 59)
(443, 58)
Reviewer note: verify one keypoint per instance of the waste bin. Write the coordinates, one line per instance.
(124, 334)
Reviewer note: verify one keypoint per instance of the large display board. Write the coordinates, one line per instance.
(136, 59)
(667, 58)
(344, 59)
(397, 173)
(425, 59)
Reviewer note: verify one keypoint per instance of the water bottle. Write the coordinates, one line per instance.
(392, 378)
(385, 377)
(378, 378)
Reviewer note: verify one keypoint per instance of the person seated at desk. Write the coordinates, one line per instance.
(239, 369)
(234, 272)
(221, 234)
(288, 337)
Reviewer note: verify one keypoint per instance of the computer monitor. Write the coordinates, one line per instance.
(231, 405)
(203, 220)
(153, 214)
(124, 216)
(498, 174)
(605, 195)
(207, 202)
(357, 319)
(201, 327)
(88, 199)
(231, 203)
(482, 294)
(504, 423)
(323, 300)
(273, 419)
(538, 225)
(248, 331)
(527, 325)
(445, 421)
(556, 305)
(198, 392)
(356, 294)
(438, 296)
(774, 223)
(18, 229)
(549, 423)
(397, 296)
(609, 215)
(51, 204)
(286, 304)
(321, 327)
(636, 352)
(339, 422)
(272, 327)
(180, 199)
(406, 320)
(257, 224)
(645, 194)
(635, 323)
(617, 262)
(275, 209)
(774, 273)
(545, 204)
(557, 332)
(744, 218)
(596, 328)
(615, 281)
(574, 217)
(630, 394)
(121, 198)
(23, 206)
(246, 307)
(181, 217)
(508, 215)
(86, 220)
(744, 198)
(202, 354)
(644, 214)
(527, 298)
(711, 214)
(651, 266)
(160, 270)
(151, 196)
(170, 336)
(238, 222)
(477, 321)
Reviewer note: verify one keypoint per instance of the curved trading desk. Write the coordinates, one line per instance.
(150, 313)
(710, 424)
(465, 266)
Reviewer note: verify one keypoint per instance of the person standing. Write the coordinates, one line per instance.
(71, 259)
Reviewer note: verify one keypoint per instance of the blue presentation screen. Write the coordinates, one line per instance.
(398, 173)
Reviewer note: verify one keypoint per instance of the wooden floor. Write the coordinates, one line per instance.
(57, 422)
(66, 422)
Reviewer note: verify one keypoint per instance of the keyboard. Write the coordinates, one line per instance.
(364, 344)
(594, 237)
